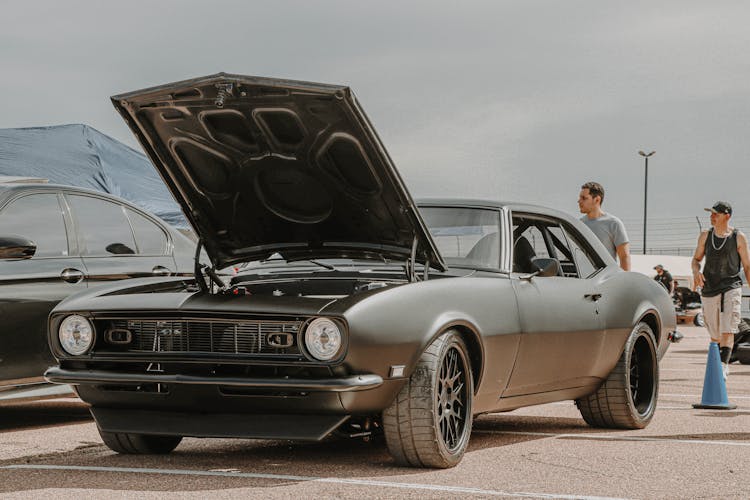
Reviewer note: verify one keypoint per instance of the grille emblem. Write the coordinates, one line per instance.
(280, 339)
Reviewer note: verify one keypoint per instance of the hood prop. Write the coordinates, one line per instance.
(200, 279)
(198, 269)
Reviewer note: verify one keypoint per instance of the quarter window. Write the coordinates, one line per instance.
(584, 260)
(150, 237)
(38, 217)
(103, 226)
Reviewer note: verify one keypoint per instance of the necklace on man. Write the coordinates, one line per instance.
(713, 241)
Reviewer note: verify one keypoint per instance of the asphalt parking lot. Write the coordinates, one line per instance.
(50, 449)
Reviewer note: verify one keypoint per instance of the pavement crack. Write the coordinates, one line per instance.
(594, 470)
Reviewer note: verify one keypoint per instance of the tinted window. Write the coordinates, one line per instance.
(465, 236)
(39, 218)
(103, 226)
(150, 238)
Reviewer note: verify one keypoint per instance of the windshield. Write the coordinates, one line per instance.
(465, 237)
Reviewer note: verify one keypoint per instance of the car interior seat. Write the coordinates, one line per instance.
(486, 251)
(523, 253)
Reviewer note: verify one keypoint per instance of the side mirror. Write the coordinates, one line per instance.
(16, 247)
(546, 266)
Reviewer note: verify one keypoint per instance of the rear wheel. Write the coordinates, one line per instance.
(429, 422)
(627, 399)
(139, 444)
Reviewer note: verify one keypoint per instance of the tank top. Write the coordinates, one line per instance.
(722, 269)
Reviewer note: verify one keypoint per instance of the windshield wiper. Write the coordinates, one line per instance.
(322, 264)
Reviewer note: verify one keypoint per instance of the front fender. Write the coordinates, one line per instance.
(393, 327)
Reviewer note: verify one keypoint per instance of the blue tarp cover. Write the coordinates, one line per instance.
(78, 155)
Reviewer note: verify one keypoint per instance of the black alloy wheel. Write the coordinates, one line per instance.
(452, 399)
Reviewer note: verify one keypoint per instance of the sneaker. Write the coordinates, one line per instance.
(725, 370)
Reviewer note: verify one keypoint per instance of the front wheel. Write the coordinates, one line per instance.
(627, 399)
(139, 444)
(429, 422)
(699, 320)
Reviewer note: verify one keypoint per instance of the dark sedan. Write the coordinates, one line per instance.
(360, 313)
(57, 240)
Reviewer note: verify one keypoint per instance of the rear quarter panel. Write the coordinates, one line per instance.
(627, 297)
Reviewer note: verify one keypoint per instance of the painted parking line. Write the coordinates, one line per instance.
(600, 437)
(284, 477)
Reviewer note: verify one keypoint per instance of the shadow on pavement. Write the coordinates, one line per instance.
(41, 414)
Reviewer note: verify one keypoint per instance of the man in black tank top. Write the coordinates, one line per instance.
(724, 248)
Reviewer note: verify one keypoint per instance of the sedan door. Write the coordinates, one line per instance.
(118, 242)
(562, 330)
(30, 288)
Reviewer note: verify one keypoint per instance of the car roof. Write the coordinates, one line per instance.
(8, 190)
(496, 204)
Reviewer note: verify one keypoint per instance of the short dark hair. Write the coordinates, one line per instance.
(595, 189)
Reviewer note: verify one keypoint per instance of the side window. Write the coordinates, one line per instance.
(150, 238)
(528, 244)
(534, 235)
(103, 227)
(39, 218)
(563, 252)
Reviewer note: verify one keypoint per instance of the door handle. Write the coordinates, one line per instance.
(593, 296)
(160, 271)
(71, 275)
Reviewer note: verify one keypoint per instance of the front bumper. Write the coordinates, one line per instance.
(354, 383)
(217, 425)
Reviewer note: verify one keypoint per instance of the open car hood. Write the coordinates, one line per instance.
(262, 165)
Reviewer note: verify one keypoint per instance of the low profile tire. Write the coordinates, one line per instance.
(627, 399)
(139, 444)
(429, 422)
(699, 320)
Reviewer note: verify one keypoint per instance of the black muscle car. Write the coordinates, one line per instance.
(358, 312)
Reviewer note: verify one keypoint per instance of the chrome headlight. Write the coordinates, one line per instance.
(323, 339)
(76, 335)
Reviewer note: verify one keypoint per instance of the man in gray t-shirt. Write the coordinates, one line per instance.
(609, 229)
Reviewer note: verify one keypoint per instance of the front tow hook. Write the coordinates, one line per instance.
(675, 337)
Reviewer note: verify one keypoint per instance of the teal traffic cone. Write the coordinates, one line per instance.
(714, 388)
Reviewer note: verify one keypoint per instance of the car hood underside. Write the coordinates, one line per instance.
(263, 165)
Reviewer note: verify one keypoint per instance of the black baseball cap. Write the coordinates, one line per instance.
(720, 207)
(658, 266)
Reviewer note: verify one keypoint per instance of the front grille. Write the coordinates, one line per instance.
(259, 337)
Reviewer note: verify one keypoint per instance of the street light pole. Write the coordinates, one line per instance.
(645, 197)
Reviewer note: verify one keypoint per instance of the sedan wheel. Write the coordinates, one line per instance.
(627, 399)
(699, 320)
(429, 423)
(140, 444)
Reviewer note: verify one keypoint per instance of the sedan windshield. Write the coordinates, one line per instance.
(465, 237)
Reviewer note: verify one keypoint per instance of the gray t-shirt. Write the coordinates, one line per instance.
(609, 229)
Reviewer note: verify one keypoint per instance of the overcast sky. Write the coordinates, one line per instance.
(518, 100)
